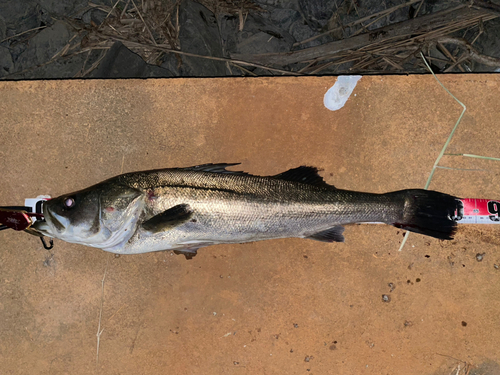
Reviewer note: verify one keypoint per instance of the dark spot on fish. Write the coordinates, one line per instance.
(151, 195)
(464, 324)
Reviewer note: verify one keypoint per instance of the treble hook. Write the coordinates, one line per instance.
(51, 242)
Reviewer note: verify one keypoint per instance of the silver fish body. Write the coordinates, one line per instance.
(188, 208)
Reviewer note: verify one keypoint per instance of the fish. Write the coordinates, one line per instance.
(184, 209)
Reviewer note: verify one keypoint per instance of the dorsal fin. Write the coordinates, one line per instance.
(215, 168)
(304, 175)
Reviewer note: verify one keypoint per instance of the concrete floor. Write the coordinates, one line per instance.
(276, 307)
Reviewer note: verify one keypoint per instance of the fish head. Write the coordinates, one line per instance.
(101, 216)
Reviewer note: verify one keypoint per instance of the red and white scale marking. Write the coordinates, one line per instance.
(480, 211)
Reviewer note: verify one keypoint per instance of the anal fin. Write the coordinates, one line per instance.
(169, 219)
(333, 234)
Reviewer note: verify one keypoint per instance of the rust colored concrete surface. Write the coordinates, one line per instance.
(277, 307)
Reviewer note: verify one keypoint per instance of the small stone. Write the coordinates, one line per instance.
(308, 358)
(386, 298)
(480, 256)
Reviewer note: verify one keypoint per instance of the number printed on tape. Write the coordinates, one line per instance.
(480, 211)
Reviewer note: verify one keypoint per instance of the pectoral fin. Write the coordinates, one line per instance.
(169, 219)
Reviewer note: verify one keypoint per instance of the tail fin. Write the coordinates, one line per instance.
(430, 213)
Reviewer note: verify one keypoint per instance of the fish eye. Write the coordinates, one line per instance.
(69, 202)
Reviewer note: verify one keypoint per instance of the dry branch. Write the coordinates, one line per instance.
(472, 52)
(422, 29)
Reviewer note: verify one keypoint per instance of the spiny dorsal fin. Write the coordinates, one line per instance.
(215, 168)
(304, 175)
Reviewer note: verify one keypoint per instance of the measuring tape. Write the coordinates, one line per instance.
(480, 211)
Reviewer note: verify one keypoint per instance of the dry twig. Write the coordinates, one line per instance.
(472, 53)
(418, 30)
(357, 22)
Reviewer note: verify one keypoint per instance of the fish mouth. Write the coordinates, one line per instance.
(55, 221)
